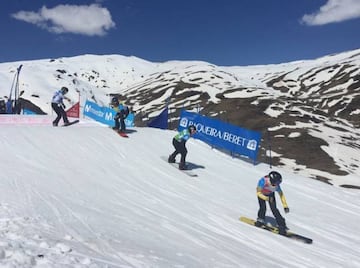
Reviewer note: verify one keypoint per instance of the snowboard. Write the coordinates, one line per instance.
(121, 134)
(275, 230)
(188, 172)
(71, 123)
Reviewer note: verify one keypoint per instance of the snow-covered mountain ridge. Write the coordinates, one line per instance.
(308, 109)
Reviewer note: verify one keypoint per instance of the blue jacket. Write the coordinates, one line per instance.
(120, 107)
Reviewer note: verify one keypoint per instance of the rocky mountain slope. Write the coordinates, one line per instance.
(308, 111)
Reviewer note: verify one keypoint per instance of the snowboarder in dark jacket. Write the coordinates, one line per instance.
(179, 144)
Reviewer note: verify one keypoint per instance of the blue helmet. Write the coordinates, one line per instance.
(115, 101)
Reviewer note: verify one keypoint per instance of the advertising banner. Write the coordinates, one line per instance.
(222, 135)
(104, 115)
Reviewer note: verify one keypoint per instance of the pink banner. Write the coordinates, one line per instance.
(25, 120)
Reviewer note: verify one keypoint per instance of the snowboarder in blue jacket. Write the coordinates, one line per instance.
(122, 111)
(265, 191)
(57, 104)
(179, 144)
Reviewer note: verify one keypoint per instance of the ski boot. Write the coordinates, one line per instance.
(182, 166)
(259, 222)
(171, 159)
(282, 230)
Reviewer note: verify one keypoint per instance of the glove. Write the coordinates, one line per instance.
(271, 199)
(287, 210)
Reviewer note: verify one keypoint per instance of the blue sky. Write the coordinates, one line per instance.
(222, 32)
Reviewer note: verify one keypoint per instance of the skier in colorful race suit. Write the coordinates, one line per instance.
(265, 190)
(122, 111)
(58, 106)
(179, 144)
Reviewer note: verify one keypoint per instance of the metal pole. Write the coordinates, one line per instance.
(17, 107)
(269, 144)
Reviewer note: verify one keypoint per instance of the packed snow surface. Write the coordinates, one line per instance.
(82, 196)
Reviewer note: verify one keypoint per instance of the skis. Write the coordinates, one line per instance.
(275, 230)
(188, 172)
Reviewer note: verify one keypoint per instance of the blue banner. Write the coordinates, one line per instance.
(9, 107)
(28, 112)
(222, 135)
(105, 115)
(161, 121)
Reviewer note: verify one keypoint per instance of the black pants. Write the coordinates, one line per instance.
(120, 120)
(179, 149)
(262, 210)
(59, 110)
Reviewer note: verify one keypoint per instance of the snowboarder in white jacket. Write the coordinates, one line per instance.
(58, 106)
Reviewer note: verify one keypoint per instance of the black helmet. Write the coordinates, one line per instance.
(275, 177)
(191, 128)
(64, 90)
(115, 101)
